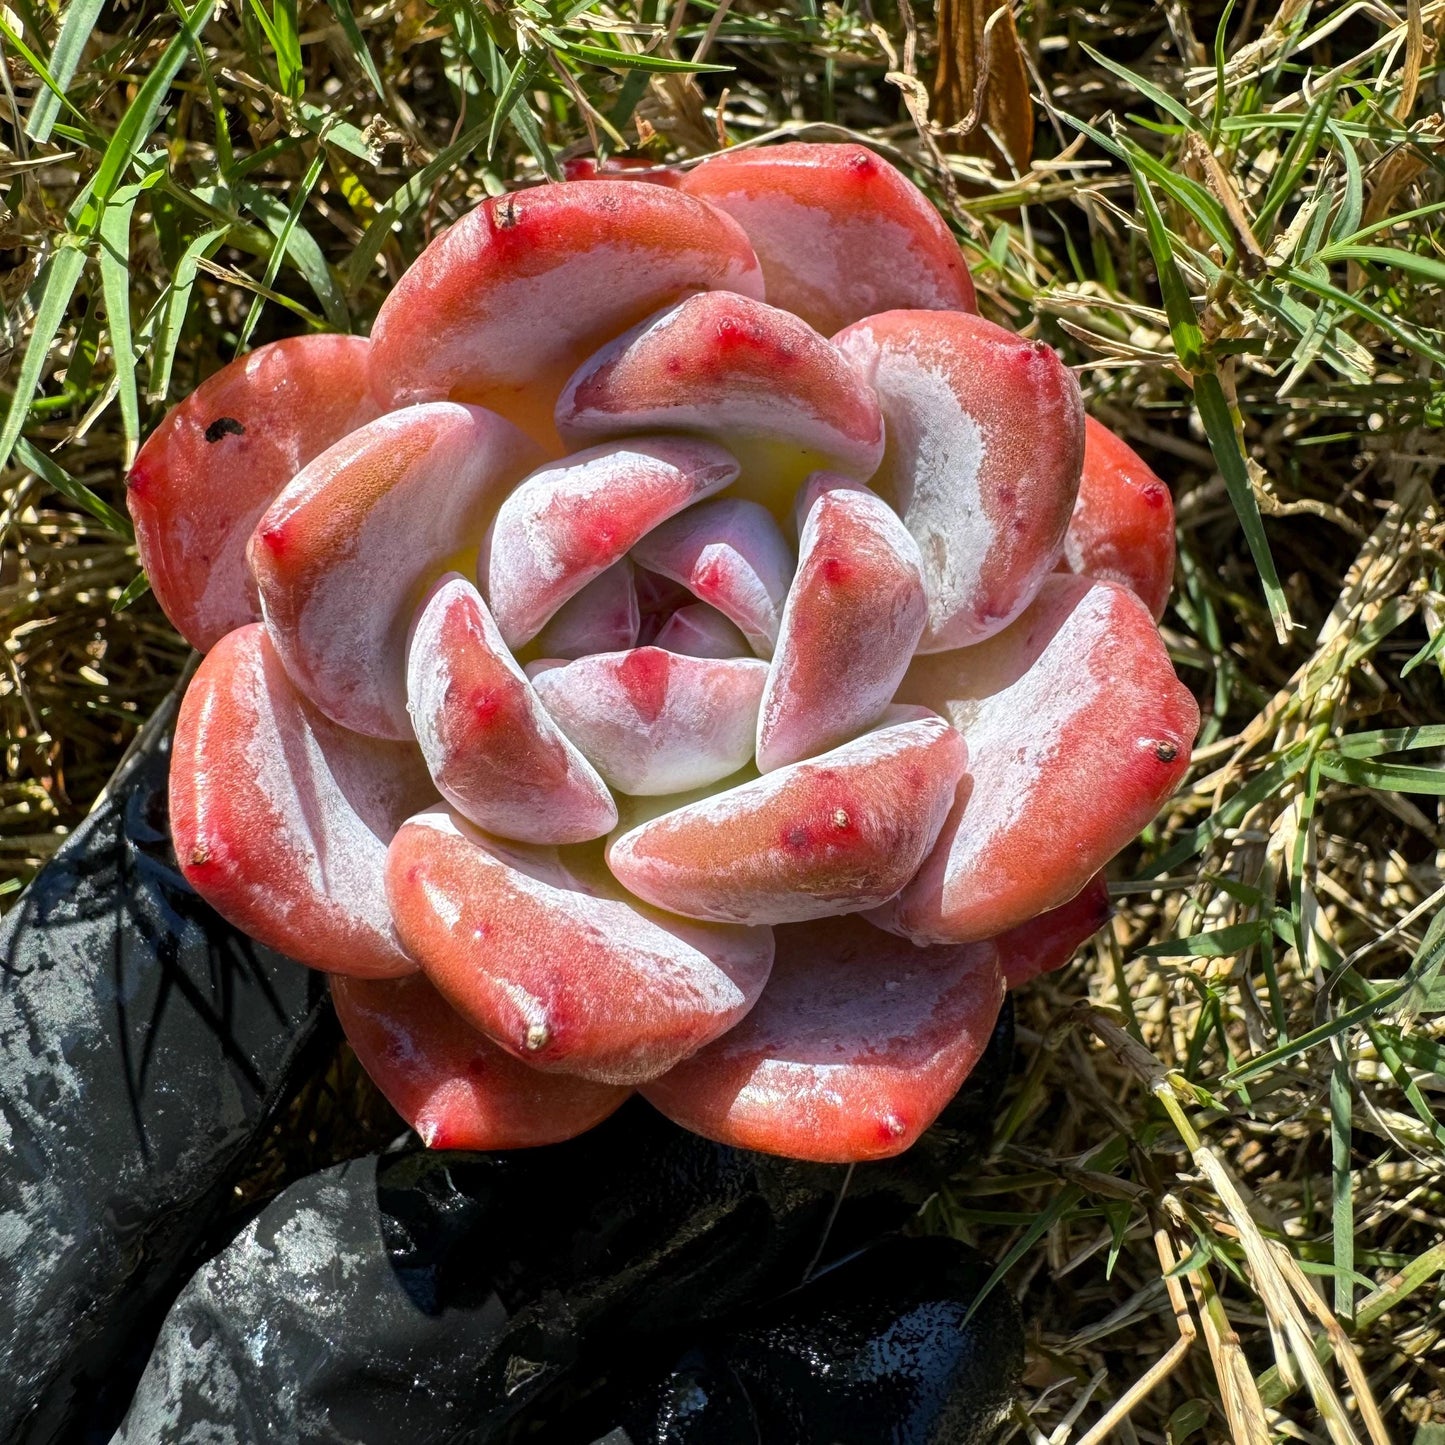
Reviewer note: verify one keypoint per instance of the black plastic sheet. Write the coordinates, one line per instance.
(431, 1297)
(144, 1046)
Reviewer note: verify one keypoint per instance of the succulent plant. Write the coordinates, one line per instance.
(685, 649)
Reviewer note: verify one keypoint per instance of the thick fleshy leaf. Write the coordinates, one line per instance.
(621, 168)
(453, 1085)
(1077, 731)
(1049, 941)
(344, 554)
(569, 522)
(746, 374)
(730, 553)
(698, 630)
(985, 446)
(534, 948)
(281, 819)
(1122, 529)
(840, 233)
(836, 834)
(857, 1043)
(215, 463)
(653, 721)
(508, 302)
(602, 617)
(493, 751)
(853, 618)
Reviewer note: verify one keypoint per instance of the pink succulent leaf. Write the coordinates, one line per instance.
(493, 751)
(856, 1044)
(698, 630)
(1122, 529)
(213, 466)
(734, 369)
(1077, 732)
(985, 447)
(569, 522)
(853, 617)
(840, 233)
(343, 554)
(621, 168)
(535, 948)
(503, 306)
(655, 722)
(602, 617)
(836, 834)
(281, 819)
(455, 1087)
(1049, 941)
(730, 553)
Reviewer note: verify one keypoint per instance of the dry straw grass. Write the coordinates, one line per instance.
(1218, 1188)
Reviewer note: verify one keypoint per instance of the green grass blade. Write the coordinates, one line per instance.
(140, 116)
(1219, 943)
(1387, 777)
(57, 283)
(73, 489)
(1214, 412)
(115, 225)
(1166, 102)
(630, 60)
(346, 19)
(1390, 740)
(175, 305)
(75, 30)
(135, 589)
(294, 240)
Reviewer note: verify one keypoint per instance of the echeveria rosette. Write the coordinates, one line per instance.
(616, 683)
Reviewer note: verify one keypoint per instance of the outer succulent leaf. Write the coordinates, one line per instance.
(218, 459)
(730, 553)
(852, 620)
(1049, 941)
(840, 233)
(281, 819)
(621, 168)
(653, 721)
(836, 834)
(698, 630)
(454, 1086)
(1122, 529)
(985, 445)
(1077, 731)
(856, 1045)
(493, 751)
(744, 373)
(344, 553)
(504, 305)
(526, 945)
(568, 523)
(602, 617)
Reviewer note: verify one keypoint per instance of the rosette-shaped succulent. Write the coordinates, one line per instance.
(685, 649)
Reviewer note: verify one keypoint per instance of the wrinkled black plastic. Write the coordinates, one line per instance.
(881, 1350)
(431, 1297)
(143, 1047)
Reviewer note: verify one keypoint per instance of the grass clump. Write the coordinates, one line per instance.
(1218, 1186)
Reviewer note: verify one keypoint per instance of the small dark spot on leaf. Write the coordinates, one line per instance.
(224, 426)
